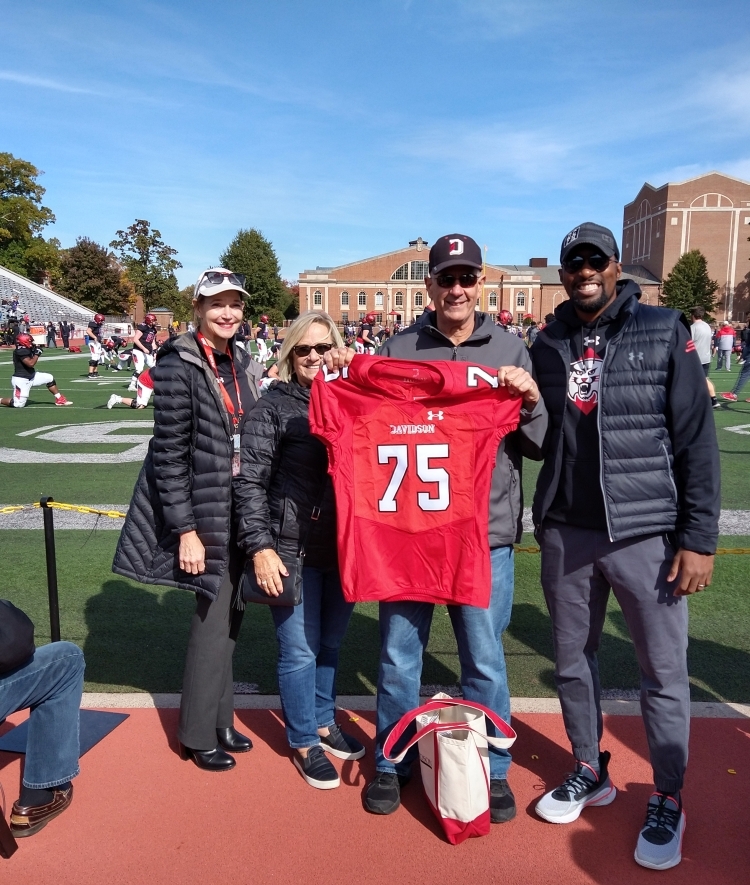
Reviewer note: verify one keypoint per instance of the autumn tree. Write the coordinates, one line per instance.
(23, 249)
(252, 254)
(150, 264)
(688, 285)
(90, 275)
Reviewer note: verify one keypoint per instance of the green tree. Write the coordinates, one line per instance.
(252, 254)
(90, 275)
(688, 285)
(150, 264)
(22, 218)
(290, 300)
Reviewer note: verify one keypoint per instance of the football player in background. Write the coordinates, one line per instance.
(144, 347)
(144, 389)
(95, 344)
(25, 375)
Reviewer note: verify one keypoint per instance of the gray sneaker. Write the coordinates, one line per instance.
(660, 842)
(580, 789)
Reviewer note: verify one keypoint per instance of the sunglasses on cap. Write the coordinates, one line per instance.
(214, 277)
(448, 280)
(597, 262)
(304, 349)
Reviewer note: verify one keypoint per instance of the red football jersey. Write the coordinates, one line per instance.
(411, 448)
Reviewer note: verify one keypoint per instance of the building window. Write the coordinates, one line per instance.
(399, 299)
(378, 299)
(493, 317)
(402, 273)
(493, 299)
(521, 299)
(345, 299)
(345, 317)
(361, 316)
(418, 299)
(519, 318)
(420, 270)
(318, 298)
(378, 319)
(673, 221)
(362, 299)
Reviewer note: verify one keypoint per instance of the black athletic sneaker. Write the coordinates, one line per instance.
(502, 801)
(581, 788)
(341, 745)
(317, 770)
(383, 795)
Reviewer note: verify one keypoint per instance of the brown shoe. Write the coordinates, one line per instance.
(27, 820)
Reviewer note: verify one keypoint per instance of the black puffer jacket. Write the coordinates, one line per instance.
(185, 483)
(284, 476)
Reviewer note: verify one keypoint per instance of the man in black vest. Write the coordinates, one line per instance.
(627, 500)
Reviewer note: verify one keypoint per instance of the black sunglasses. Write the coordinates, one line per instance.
(596, 262)
(448, 280)
(304, 349)
(216, 276)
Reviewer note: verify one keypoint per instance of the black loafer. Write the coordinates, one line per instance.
(208, 760)
(231, 739)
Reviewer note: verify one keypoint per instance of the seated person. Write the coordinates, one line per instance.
(49, 680)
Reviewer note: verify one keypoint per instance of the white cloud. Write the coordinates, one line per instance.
(45, 83)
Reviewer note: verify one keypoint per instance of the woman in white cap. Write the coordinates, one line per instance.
(178, 531)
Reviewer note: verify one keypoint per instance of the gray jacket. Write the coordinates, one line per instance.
(492, 347)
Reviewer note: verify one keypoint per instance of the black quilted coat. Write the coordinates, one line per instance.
(284, 476)
(186, 481)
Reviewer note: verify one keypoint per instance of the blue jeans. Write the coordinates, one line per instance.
(404, 632)
(51, 684)
(309, 637)
(743, 377)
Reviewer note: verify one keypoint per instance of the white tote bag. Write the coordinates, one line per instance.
(454, 758)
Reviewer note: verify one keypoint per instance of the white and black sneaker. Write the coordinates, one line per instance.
(581, 788)
(340, 744)
(317, 770)
(660, 842)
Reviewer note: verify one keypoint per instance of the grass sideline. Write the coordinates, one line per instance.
(134, 636)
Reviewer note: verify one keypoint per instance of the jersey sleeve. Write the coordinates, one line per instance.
(325, 415)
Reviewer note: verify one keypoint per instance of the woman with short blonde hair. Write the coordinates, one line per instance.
(297, 332)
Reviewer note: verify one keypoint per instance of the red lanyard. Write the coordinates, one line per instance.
(208, 350)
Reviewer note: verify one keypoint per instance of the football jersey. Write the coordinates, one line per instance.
(148, 335)
(411, 449)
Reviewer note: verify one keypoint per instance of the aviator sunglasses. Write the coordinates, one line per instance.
(596, 262)
(304, 349)
(448, 280)
(214, 277)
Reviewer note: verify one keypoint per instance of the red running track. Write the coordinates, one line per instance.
(141, 815)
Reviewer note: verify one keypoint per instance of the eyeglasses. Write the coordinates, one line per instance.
(448, 280)
(214, 277)
(304, 349)
(596, 262)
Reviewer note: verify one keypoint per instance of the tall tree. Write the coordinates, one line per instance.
(149, 262)
(22, 219)
(252, 254)
(90, 275)
(688, 285)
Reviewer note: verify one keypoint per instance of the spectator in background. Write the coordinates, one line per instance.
(724, 345)
(65, 333)
(532, 332)
(51, 335)
(744, 375)
(700, 332)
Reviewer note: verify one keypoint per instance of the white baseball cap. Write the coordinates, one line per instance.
(219, 279)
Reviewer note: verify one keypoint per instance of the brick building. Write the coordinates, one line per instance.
(710, 213)
(392, 287)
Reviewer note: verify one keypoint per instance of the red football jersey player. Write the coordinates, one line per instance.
(411, 448)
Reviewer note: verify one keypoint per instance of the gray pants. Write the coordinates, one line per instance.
(579, 567)
(208, 686)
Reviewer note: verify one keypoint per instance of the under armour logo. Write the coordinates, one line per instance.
(431, 416)
(633, 357)
(594, 341)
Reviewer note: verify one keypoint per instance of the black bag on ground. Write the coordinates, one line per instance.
(16, 637)
(290, 595)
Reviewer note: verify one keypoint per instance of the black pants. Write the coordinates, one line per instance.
(208, 685)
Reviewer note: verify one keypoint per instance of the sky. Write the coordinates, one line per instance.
(346, 128)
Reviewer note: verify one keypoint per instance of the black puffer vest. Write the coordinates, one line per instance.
(640, 495)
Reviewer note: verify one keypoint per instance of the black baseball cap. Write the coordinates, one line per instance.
(590, 234)
(452, 250)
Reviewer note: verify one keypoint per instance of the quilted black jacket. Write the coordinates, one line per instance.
(186, 480)
(284, 476)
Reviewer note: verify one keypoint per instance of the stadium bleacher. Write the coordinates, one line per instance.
(42, 305)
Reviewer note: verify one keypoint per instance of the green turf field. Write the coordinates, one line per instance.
(134, 637)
